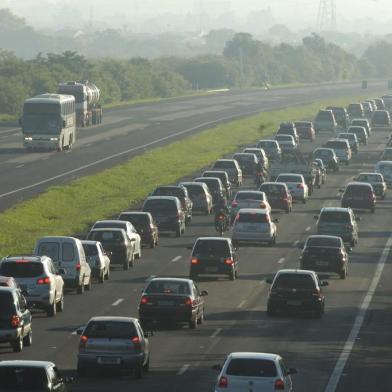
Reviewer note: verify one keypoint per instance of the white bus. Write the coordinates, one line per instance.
(49, 122)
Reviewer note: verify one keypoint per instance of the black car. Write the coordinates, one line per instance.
(180, 192)
(216, 188)
(324, 253)
(296, 290)
(223, 176)
(341, 116)
(288, 128)
(355, 110)
(144, 224)
(213, 256)
(328, 156)
(167, 213)
(381, 119)
(360, 196)
(248, 163)
(323, 171)
(173, 300)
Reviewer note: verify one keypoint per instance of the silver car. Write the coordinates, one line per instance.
(249, 199)
(113, 342)
(376, 180)
(98, 260)
(287, 143)
(296, 184)
(38, 280)
(231, 167)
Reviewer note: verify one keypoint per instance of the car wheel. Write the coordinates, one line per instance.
(178, 232)
(343, 273)
(373, 210)
(232, 275)
(271, 311)
(28, 339)
(200, 320)
(88, 285)
(107, 276)
(60, 304)
(132, 262)
(101, 278)
(152, 243)
(138, 372)
(193, 323)
(80, 289)
(146, 366)
(126, 265)
(273, 241)
(52, 308)
(17, 345)
(81, 371)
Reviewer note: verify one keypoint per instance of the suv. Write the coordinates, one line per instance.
(328, 156)
(341, 116)
(200, 195)
(381, 120)
(376, 180)
(180, 192)
(342, 149)
(355, 110)
(222, 175)
(271, 148)
(288, 128)
(359, 195)
(232, 168)
(305, 130)
(362, 122)
(215, 187)
(38, 279)
(297, 290)
(214, 256)
(360, 132)
(15, 319)
(338, 221)
(167, 213)
(352, 140)
(248, 163)
(278, 195)
(325, 122)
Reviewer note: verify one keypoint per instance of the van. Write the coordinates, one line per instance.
(342, 149)
(68, 255)
(325, 122)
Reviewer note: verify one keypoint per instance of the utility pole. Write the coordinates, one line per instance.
(241, 66)
(326, 16)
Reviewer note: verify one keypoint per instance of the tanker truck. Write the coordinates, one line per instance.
(88, 109)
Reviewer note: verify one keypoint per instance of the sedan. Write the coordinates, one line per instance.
(376, 180)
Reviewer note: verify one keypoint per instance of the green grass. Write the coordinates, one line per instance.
(7, 117)
(72, 208)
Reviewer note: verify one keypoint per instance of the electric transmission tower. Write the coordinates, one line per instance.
(326, 16)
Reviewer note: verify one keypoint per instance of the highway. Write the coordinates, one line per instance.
(236, 319)
(132, 130)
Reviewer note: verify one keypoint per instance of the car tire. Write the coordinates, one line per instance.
(101, 278)
(138, 372)
(52, 308)
(178, 232)
(193, 323)
(200, 320)
(88, 286)
(132, 262)
(126, 265)
(60, 304)
(373, 210)
(28, 339)
(80, 289)
(152, 243)
(17, 345)
(232, 275)
(107, 276)
(273, 241)
(343, 273)
(146, 366)
(271, 311)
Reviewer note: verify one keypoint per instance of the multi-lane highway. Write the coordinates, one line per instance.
(236, 317)
(132, 130)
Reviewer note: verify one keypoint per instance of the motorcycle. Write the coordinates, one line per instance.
(261, 177)
(221, 224)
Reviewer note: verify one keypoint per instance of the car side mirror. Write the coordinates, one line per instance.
(324, 283)
(301, 244)
(80, 330)
(269, 280)
(292, 371)
(217, 367)
(203, 293)
(315, 217)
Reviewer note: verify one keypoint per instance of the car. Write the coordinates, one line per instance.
(296, 184)
(178, 191)
(324, 253)
(381, 120)
(261, 156)
(113, 342)
(174, 300)
(296, 290)
(387, 102)
(144, 224)
(342, 149)
(362, 122)
(367, 109)
(231, 167)
(376, 180)
(359, 195)
(305, 130)
(352, 140)
(8, 281)
(127, 226)
(271, 148)
(98, 259)
(213, 256)
(372, 104)
(322, 169)
(355, 110)
(117, 244)
(386, 155)
(340, 222)
(199, 193)
(254, 226)
(251, 371)
(39, 281)
(248, 163)
(215, 187)
(68, 255)
(380, 104)
(28, 376)
(341, 116)
(325, 122)
(360, 132)
(287, 143)
(328, 156)
(249, 199)
(278, 195)
(223, 176)
(288, 128)
(385, 168)
(15, 319)
(167, 212)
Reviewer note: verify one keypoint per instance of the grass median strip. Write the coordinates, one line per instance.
(72, 208)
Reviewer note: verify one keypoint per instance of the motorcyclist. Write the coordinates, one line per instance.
(222, 209)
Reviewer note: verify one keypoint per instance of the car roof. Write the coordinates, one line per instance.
(216, 179)
(112, 221)
(384, 163)
(108, 229)
(370, 173)
(359, 183)
(32, 259)
(283, 184)
(323, 148)
(290, 174)
(197, 183)
(58, 238)
(173, 198)
(26, 363)
(254, 355)
(324, 236)
(225, 160)
(337, 209)
(250, 191)
(89, 242)
(168, 187)
(135, 213)
(168, 279)
(112, 318)
(214, 238)
(292, 271)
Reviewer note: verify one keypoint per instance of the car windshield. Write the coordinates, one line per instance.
(335, 217)
(6, 304)
(245, 217)
(160, 205)
(167, 287)
(249, 367)
(288, 178)
(21, 269)
(224, 165)
(291, 281)
(90, 250)
(211, 247)
(41, 124)
(324, 241)
(50, 249)
(20, 378)
(106, 236)
(110, 330)
(370, 177)
(249, 196)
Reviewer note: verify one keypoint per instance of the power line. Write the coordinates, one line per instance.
(326, 16)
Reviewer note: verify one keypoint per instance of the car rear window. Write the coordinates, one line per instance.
(251, 368)
(211, 247)
(385, 168)
(323, 153)
(340, 145)
(160, 205)
(7, 305)
(252, 218)
(358, 190)
(195, 190)
(267, 145)
(167, 287)
(348, 136)
(222, 176)
(245, 157)
(323, 241)
(137, 220)
(169, 192)
(224, 165)
(284, 138)
(106, 236)
(289, 281)
(370, 177)
(335, 216)
(90, 250)
(51, 249)
(271, 189)
(249, 196)
(380, 116)
(110, 329)
(288, 178)
(211, 183)
(23, 379)
(21, 269)
(324, 116)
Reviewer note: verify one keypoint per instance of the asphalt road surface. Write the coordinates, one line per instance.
(133, 130)
(349, 346)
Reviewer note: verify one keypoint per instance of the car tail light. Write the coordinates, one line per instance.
(300, 186)
(151, 227)
(136, 343)
(83, 342)
(45, 280)
(279, 385)
(316, 292)
(188, 301)
(262, 205)
(194, 260)
(229, 261)
(78, 266)
(16, 321)
(223, 382)
(144, 300)
(234, 204)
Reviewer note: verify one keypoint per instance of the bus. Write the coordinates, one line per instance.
(49, 122)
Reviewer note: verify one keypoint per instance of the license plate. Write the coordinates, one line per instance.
(108, 360)
(294, 303)
(165, 303)
(322, 263)
(211, 269)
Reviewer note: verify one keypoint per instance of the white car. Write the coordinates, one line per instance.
(254, 225)
(286, 142)
(249, 199)
(98, 260)
(341, 148)
(296, 185)
(251, 371)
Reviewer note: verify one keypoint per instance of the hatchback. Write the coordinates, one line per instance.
(358, 195)
(261, 156)
(296, 290)
(254, 226)
(305, 130)
(328, 156)
(342, 149)
(39, 281)
(325, 122)
(222, 175)
(385, 168)
(173, 300)
(360, 132)
(362, 122)
(251, 371)
(113, 342)
(376, 180)
(381, 119)
(199, 193)
(296, 184)
(98, 259)
(352, 140)
(278, 195)
(355, 110)
(271, 148)
(249, 199)
(231, 167)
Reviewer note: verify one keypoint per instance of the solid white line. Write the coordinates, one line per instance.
(141, 147)
(281, 260)
(345, 354)
(216, 333)
(17, 167)
(308, 228)
(241, 304)
(176, 259)
(118, 302)
(183, 369)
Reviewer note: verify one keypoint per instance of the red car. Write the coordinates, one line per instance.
(305, 130)
(278, 195)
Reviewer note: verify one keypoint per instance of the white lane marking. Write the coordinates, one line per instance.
(241, 304)
(141, 147)
(308, 228)
(176, 259)
(183, 369)
(74, 332)
(348, 346)
(281, 260)
(216, 333)
(17, 167)
(118, 302)
(88, 144)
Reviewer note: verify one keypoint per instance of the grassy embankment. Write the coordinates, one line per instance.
(72, 208)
